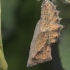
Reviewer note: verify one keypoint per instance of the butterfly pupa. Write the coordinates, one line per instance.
(47, 31)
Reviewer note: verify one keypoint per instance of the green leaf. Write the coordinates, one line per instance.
(3, 64)
(64, 48)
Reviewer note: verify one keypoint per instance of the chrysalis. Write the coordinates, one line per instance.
(47, 31)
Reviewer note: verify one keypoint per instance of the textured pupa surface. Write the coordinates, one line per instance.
(47, 31)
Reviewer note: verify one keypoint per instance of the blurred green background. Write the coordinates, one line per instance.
(19, 18)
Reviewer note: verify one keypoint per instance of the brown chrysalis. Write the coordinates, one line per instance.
(47, 31)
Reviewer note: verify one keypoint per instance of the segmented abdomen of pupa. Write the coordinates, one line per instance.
(50, 21)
